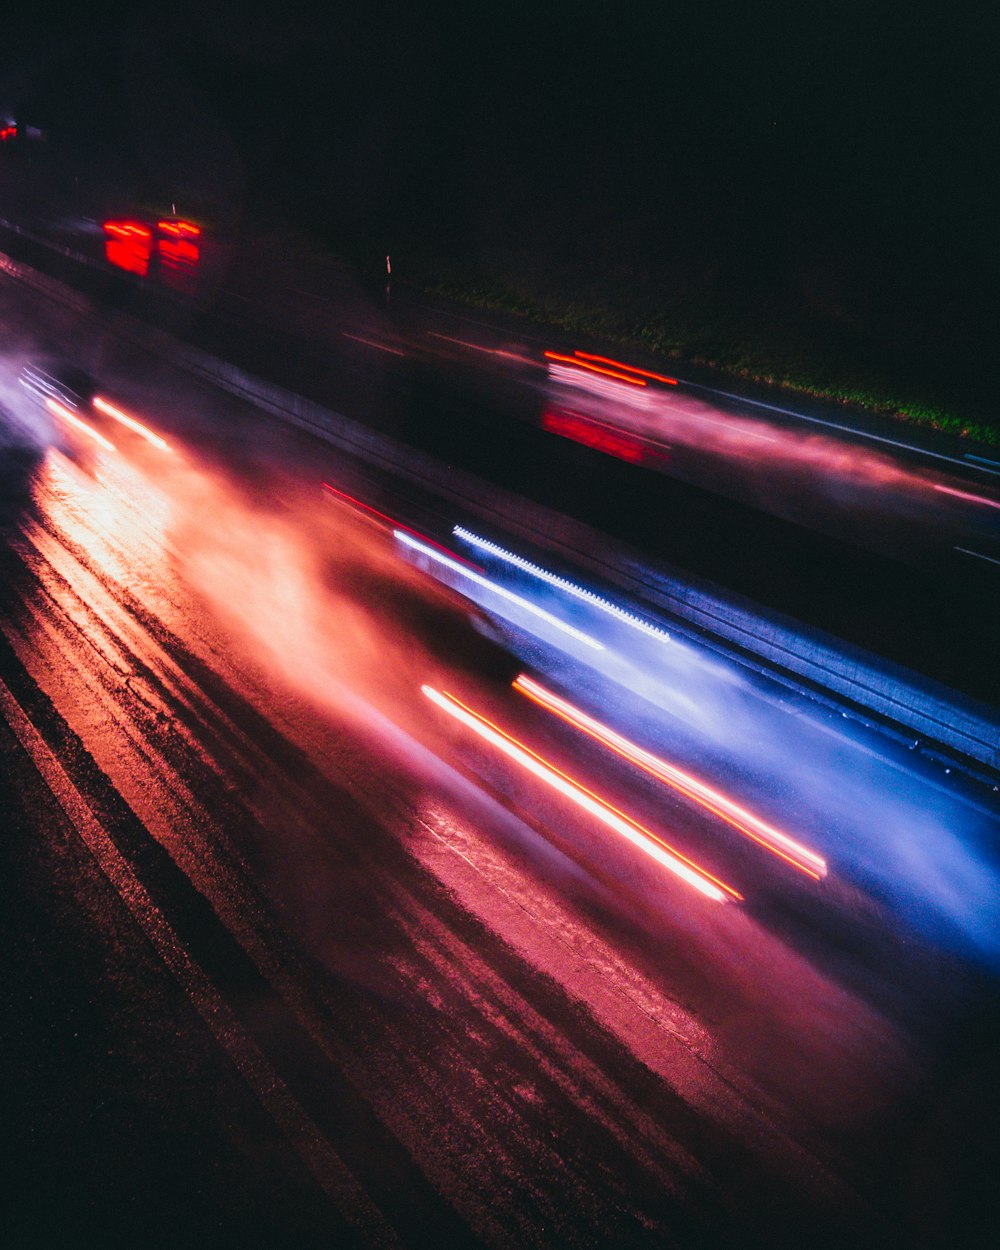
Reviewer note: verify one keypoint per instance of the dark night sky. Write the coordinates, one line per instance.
(746, 133)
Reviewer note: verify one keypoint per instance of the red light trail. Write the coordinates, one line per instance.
(62, 411)
(384, 520)
(653, 845)
(582, 364)
(739, 818)
(130, 422)
(618, 364)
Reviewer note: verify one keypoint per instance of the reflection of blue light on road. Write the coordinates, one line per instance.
(719, 804)
(553, 579)
(938, 871)
(463, 570)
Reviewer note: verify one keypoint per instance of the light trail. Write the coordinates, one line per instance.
(964, 494)
(127, 230)
(110, 410)
(582, 364)
(654, 846)
(766, 835)
(610, 439)
(388, 522)
(179, 229)
(571, 588)
(464, 570)
(61, 410)
(618, 364)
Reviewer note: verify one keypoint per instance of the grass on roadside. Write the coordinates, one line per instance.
(786, 347)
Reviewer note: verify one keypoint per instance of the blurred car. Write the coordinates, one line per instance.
(85, 419)
(67, 393)
(455, 635)
(58, 380)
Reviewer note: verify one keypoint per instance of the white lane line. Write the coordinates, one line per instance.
(832, 425)
(978, 554)
(382, 347)
(450, 338)
(286, 1111)
(980, 462)
(732, 428)
(612, 427)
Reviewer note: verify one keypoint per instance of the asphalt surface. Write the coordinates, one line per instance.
(285, 959)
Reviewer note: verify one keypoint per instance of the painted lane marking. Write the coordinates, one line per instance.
(978, 554)
(382, 347)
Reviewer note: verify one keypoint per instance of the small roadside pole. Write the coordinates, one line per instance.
(388, 279)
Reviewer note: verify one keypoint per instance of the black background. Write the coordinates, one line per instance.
(841, 152)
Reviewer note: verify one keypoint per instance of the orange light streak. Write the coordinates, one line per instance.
(130, 422)
(127, 230)
(632, 831)
(178, 228)
(61, 410)
(384, 519)
(582, 364)
(643, 373)
(739, 818)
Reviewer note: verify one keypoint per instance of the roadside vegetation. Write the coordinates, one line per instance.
(776, 341)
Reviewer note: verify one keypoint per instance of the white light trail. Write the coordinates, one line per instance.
(463, 570)
(553, 579)
(615, 387)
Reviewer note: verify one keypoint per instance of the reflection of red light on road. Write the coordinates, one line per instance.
(179, 264)
(132, 257)
(582, 364)
(62, 411)
(964, 494)
(128, 246)
(136, 426)
(739, 818)
(639, 836)
(642, 373)
(595, 434)
(382, 519)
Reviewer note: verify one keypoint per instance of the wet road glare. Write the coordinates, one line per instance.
(376, 975)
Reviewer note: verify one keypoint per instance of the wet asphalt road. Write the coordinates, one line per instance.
(275, 971)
